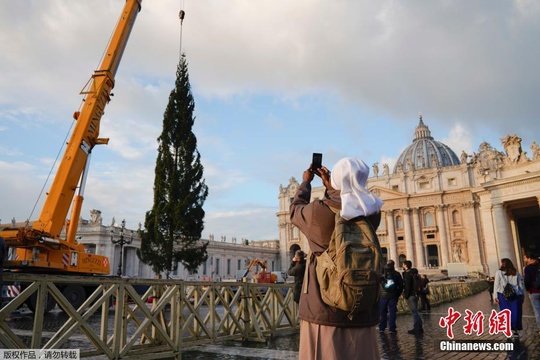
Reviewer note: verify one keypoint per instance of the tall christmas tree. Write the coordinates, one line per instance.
(174, 225)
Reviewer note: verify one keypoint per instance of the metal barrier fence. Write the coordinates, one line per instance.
(447, 291)
(157, 322)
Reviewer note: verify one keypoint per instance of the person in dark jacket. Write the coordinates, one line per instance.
(425, 305)
(297, 269)
(391, 289)
(533, 289)
(411, 297)
(327, 333)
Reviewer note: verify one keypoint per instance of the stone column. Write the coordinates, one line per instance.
(408, 234)
(443, 233)
(419, 246)
(472, 236)
(284, 241)
(491, 246)
(391, 235)
(503, 235)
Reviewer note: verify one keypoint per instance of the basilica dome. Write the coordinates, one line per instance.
(425, 153)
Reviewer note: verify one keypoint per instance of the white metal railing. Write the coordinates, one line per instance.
(118, 322)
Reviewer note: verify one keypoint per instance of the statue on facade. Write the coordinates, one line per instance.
(386, 170)
(376, 169)
(95, 216)
(464, 157)
(535, 150)
(457, 253)
(512, 146)
(488, 159)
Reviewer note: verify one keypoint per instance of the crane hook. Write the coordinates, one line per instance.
(181, 15)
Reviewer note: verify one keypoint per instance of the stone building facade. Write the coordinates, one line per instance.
(439, 208)
(225, 257)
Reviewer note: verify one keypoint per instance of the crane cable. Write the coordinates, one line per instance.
(181, 15)
(60, 150)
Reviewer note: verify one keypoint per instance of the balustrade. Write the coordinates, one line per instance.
(119, 320)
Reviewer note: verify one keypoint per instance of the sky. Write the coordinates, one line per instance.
(273, 81)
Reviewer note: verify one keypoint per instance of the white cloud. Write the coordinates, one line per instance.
(273, 81)
(459, 139)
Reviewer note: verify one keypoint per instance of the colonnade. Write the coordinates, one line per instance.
(413, 232)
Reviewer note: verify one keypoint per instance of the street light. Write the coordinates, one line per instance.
(121, 241)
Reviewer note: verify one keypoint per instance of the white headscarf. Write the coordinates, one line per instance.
(349, 175)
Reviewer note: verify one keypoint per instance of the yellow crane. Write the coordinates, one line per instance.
(40, 248)
(263, 276)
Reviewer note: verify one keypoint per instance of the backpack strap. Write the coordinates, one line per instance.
(358, 300)
(306, 273)
(311, 255)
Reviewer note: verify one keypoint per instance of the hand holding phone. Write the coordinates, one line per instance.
(316, 163)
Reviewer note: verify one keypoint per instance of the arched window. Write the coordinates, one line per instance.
(399, 223)
(428, 219)
(456, 218)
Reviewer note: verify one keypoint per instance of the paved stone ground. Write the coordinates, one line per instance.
(402, 345)
(427, 346)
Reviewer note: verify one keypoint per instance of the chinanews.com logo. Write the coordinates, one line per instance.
(498, 323)
(475, 346)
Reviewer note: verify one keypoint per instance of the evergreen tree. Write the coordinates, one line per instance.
(174, 225)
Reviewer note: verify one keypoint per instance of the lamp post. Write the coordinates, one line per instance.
(121, 241)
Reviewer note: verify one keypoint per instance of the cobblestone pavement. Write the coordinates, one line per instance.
(402, 345)
(428, 345)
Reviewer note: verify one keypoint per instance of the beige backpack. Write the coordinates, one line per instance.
(349, 271)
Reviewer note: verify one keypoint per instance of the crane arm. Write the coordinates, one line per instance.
(254, 262)
(86, 132)
(40, 246)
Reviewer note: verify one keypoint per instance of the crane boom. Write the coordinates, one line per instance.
(41, 246)
(86, 131)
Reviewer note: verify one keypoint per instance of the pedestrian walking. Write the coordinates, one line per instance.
(532, 283)
(411, 297)
(391, 289)
(491, 283)
(328, 333)
(507, 274)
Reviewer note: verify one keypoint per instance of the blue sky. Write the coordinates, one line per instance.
(273, 81)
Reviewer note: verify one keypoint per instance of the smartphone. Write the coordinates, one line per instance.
(316, 163)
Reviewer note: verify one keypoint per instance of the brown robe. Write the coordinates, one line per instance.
(325, 330)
